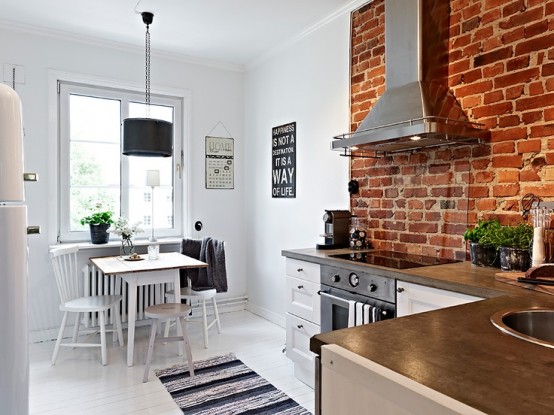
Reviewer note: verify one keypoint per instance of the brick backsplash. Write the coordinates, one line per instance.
(501, 71)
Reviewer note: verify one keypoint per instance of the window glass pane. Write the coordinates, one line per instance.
(94, 164)
(139, 210)
(159, 112)
(94, 119)
(86, 200)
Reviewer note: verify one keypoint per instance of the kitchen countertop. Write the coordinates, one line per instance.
(456, 350)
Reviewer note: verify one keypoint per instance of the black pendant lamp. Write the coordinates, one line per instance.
(147, 137)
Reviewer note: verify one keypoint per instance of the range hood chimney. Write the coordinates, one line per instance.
(418, 109)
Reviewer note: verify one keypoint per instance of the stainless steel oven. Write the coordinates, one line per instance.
(350, 298)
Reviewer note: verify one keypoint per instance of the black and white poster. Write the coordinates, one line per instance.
(283, 160)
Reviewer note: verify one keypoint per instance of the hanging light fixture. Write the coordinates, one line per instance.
(147, 137)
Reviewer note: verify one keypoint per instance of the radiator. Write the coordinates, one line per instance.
(95, 282)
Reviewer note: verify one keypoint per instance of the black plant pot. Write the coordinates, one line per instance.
(483, 256)
(99, 233)
(514, 259)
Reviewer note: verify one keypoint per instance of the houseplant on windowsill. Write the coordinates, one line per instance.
(482, 250)
(122, 228)
(99, 223)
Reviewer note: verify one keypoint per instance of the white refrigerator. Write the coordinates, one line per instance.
(14, 344)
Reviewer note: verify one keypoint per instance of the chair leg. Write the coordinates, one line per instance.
(217, 322)
(76, 328)
(205, 323)
(181, 321)
(167, 324)
(102, 322)
(118, 325)
(153, 330)
(59, 339)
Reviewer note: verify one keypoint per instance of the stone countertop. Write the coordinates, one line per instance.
(456, 350)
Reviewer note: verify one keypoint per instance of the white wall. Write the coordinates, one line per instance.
(307, 83)
(217, 95)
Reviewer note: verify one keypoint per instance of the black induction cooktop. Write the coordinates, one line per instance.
(392, 259)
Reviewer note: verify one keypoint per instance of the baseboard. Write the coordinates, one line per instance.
(267, 314)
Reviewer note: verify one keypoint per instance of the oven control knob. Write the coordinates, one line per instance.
(354, 280)
(372, 287)
(335, 278)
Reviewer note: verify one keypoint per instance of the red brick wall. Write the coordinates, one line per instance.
(502, 72)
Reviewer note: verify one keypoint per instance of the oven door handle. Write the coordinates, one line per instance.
(333, 297)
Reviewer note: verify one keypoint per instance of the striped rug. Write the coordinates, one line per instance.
(225, 385)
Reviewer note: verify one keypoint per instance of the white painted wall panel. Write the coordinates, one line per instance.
(308, 83)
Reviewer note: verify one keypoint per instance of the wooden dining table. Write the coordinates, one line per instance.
(145, 271)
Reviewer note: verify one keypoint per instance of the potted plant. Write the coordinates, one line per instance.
(482, 250)
(513, 244)
(99, 223)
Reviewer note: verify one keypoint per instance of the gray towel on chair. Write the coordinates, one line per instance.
(212, 252)
(217, 272)
(191, 248)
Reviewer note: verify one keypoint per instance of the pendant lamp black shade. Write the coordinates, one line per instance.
(147, 137)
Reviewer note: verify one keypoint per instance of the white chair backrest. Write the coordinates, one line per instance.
(64, 261)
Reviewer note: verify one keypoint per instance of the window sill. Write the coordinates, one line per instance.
(117, 243)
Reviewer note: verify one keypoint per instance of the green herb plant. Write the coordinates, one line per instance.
(483, 233)
(98, 218)
(519, 236)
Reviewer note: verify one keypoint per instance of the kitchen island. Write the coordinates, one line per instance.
(456, 351)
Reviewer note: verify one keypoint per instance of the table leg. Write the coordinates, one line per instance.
(177, 290)
(132, 316)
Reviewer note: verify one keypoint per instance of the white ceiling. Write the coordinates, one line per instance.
(236, 32)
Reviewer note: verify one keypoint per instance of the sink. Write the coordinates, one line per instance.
(535, 325)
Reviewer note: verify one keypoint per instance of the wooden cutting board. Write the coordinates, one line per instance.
(511, 278)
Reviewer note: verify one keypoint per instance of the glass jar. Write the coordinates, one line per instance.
(153, 251)
(358, 233)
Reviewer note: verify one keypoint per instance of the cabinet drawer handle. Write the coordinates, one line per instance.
(299, 270)
(300, 287)
(300, 326)
(400, 290)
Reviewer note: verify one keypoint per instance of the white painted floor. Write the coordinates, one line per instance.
(79, 384)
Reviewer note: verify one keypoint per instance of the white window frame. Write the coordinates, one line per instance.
(60, 155)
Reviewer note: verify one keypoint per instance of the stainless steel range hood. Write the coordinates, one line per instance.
(417, 109)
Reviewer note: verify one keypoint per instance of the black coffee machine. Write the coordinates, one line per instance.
(336, 229)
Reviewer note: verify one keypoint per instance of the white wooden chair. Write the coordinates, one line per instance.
(201, 297)
(64, 262)
(166, 311)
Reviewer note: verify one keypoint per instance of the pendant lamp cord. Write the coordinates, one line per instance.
(147, 63)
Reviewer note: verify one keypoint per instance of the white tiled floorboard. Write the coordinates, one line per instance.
(79, 384)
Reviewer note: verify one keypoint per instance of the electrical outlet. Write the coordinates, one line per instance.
(9, 74)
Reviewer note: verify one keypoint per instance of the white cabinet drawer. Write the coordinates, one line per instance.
(304, 270)
(299, 332)
(303, 300)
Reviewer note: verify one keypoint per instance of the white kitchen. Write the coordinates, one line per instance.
(247, 72)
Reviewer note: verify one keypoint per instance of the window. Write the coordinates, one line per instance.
(93, 172)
